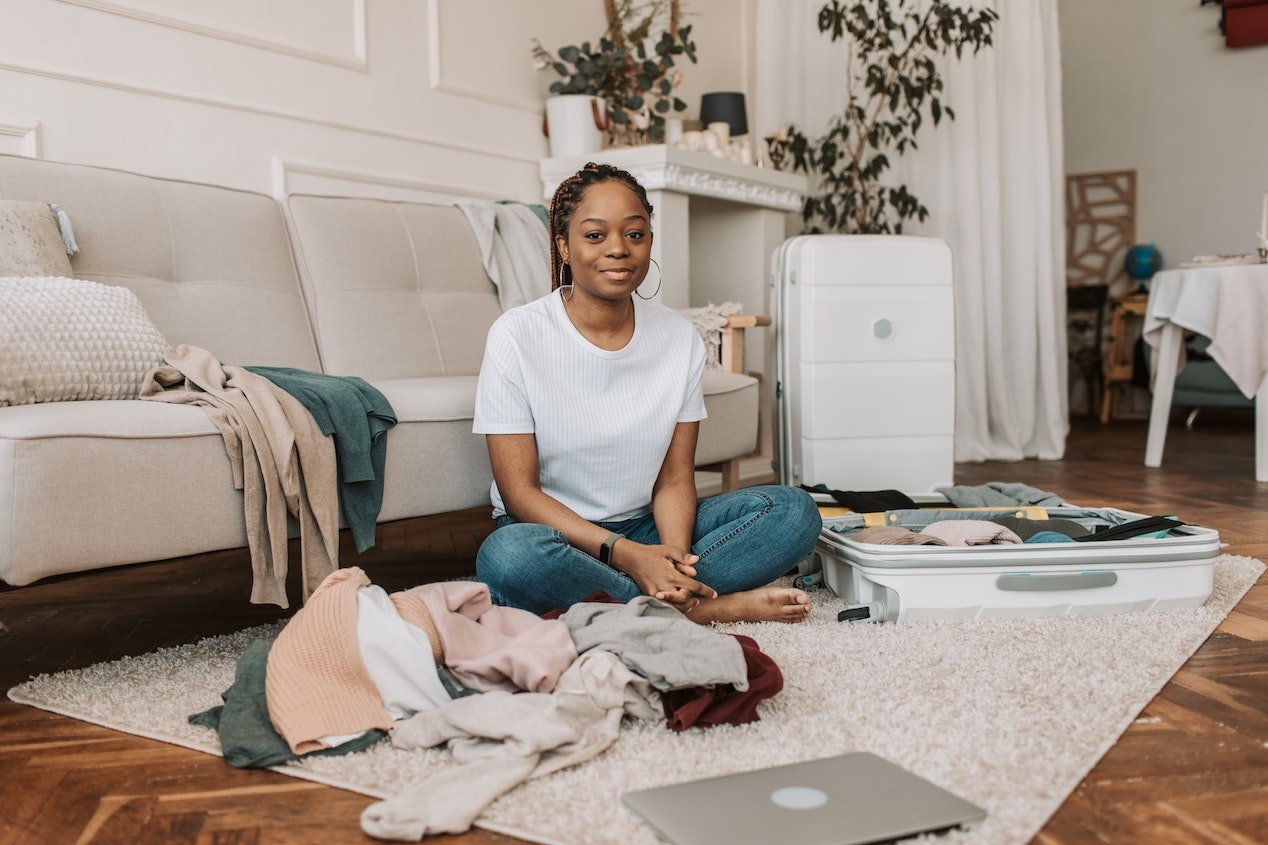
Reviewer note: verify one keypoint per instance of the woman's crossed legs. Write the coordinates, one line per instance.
(745, 540)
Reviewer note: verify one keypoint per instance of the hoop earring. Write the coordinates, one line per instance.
(659, 281)
(561, 285)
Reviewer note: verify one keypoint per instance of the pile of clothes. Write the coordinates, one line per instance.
(512, 695)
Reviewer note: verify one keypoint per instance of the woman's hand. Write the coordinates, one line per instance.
(682, 559)
(662, 572)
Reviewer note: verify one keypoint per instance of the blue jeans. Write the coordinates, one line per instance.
(745, 539)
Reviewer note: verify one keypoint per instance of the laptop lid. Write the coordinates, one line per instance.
(848, 800)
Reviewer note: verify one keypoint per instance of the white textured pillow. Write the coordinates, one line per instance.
(67, 339)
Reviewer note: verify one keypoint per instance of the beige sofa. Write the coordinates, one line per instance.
(393, 292)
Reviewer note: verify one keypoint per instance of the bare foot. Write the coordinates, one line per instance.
(768, 604)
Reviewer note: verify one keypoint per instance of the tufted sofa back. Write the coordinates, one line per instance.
(395, 289)
(212, 265)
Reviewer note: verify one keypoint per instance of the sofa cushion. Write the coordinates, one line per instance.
(30, 241)
(395, 289)
(435, 463)
(110, 420)
(211, 265)
(63, 340)
(96, 484)
(436, 399)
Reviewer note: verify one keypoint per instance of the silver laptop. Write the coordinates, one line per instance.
(848, 800)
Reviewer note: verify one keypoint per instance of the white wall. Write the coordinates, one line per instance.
(420, 99)
(1148, 84)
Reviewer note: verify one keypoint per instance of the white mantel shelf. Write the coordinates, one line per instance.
(663, 168)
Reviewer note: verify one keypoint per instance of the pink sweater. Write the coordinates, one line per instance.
(495, 648)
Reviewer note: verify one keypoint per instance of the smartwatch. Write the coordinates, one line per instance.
(605, 549)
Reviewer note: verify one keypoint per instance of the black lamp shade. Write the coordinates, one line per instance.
(725, 106)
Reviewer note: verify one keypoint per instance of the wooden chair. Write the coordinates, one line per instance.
(733, 361)
(1129, 313)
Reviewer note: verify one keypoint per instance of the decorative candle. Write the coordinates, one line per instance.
(722, 129)
(1263, 221)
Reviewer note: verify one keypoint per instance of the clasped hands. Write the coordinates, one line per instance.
(664, 572)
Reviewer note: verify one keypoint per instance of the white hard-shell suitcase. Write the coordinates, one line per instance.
(910, 583)
(865, 362)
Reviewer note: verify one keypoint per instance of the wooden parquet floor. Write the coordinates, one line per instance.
(1192, 769)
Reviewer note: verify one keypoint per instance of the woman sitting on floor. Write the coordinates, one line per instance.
(591, 401)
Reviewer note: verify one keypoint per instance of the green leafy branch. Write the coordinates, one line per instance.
(892, 82)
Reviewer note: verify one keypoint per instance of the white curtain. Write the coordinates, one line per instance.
(993, 182)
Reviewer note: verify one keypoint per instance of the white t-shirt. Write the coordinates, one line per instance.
(603, 419)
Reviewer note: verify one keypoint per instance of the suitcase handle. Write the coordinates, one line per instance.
(872, 520)
(1025, 582)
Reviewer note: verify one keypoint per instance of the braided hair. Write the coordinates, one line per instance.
(564, 204)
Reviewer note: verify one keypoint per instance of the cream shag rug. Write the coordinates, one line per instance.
(1010, 714)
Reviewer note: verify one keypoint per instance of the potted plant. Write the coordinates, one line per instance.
(892, 82)
(630, 72)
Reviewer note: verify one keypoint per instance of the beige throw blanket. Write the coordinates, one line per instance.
(281, 462)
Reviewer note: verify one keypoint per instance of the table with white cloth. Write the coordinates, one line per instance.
(1228, 304)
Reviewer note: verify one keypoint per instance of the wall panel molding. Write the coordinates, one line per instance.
(439, 83)
(29, 134)
(356, 59)
(284, 168)
(249, 108)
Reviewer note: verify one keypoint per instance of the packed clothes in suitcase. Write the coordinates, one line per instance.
(890, 566)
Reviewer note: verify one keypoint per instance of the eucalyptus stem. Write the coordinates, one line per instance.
(631, 69)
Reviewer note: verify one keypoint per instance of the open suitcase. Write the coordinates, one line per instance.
(909, 583)
(865, 362)
(865, 399)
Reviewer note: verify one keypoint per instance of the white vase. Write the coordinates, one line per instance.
(575, 124)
